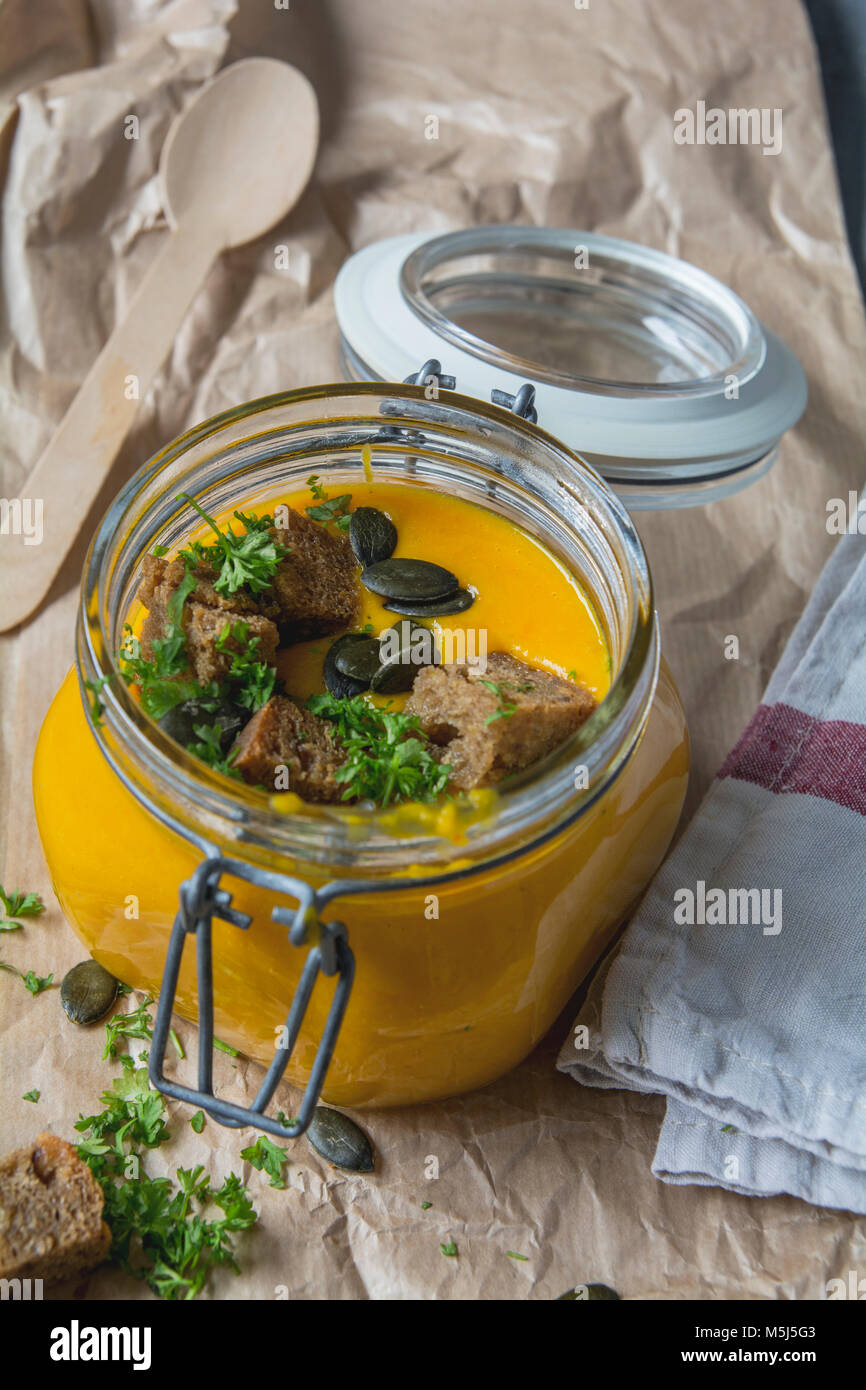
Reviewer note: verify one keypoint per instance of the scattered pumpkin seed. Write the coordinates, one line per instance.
(457, 602)
(359, 660)
(409, 579)
(341, 686)
(87, 992)
(339, 1140)
(589, 1293)
(372, 535)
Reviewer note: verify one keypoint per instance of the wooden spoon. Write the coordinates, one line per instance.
(234, 163)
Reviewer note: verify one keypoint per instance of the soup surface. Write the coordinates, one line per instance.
(278, 647)
(526, 603)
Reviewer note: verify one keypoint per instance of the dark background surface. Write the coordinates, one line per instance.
(839, 27)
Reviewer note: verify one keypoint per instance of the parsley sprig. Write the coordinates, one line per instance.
(266, 1156)
(249, 559)
(386, 760)
(137, 1023)
(18, 905)
(31, 981)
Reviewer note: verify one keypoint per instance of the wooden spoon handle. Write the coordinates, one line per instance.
(69, 474)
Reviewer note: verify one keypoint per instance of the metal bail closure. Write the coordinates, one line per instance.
(431, 372)
(202, 899)
(522, 404)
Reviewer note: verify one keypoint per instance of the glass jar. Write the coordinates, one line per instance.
(467, 946)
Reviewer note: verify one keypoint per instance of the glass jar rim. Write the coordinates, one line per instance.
(208, 809)
(655, 288)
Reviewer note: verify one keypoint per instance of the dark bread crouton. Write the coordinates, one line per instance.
(205, 615)
(285, 734)
(315, 589)
(161, 578)
(51, 1225)
(314, 592)
(203, 626)
(453, 705)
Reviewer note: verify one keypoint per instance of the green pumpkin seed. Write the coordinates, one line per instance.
(338, 684)
(409, 579)
(589, 1293)
(402, 661)
(339, 1140)
(394, 678)
(87, 992)
(372, 535)
(180, 721)
(359, 660)
(457, 602)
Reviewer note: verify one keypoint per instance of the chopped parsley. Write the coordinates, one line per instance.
(335, 509)
(450, 1249)
(505, 708)
(158, 1232)
(249, 560)
(31, 1095)
(252, 680)
(196, 1122)
(425, 1206)
(19, 905)
(137, 1024)
(131, 1112)
(158, 679)
(513, 1255)
(35, 983)
(266, 1156)
(386, 761)
(95, 689)
(207, 747)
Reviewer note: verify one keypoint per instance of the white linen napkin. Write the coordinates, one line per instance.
(738, 989)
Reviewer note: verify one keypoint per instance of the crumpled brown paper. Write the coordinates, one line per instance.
(547, 114)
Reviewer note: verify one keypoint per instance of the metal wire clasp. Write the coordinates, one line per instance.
(202, 899)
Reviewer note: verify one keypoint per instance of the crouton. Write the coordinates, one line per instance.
(204, 626)
(283, 734)
(51, 1225)
(205, 615)
(315, 589)
(161, 578)
(496, 721)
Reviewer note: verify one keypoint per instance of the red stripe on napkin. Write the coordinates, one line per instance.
(785, 750)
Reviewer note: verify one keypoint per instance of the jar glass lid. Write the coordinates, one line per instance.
(655, 372)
